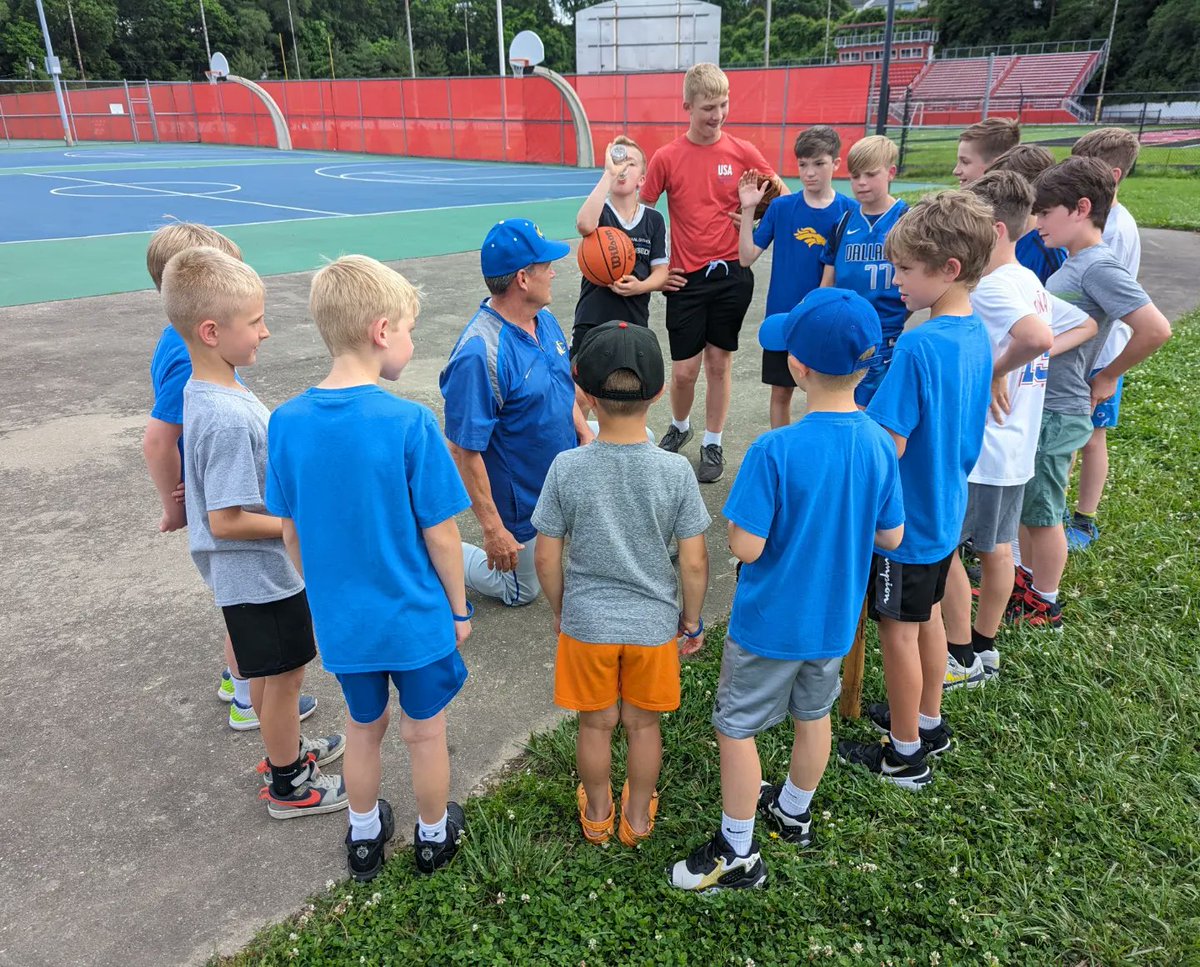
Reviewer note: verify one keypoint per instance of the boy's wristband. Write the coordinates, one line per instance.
(698, 633)
(464, 617)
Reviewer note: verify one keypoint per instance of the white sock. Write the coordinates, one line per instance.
(682, 425)
(711, 439)
(1016, 546)
(928, 721)
(793, 800)
(905, 748)
(738, 833)
(365, 825)
(434, 833)
(1050, 596)
(241, 690)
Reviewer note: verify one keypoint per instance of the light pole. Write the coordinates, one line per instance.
(295, 49)
(828, 18)
(412, 58)
(466, 9)
(767, 39)
(75, 35)
(204, 27)
(500, 34)
(885, 93)
(1112, 26)
(55, 75)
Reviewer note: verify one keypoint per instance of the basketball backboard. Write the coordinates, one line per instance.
(525, 52)
(218, 67)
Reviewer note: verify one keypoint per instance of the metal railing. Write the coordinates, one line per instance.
(1012, 50)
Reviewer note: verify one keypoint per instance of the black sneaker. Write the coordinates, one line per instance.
(795, 829)
(433, 856)
(933, 741)
(365, 856)
(674, 439)
(712, 464)
(910, 772)
(715, 866)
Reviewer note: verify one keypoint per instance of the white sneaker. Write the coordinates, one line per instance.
(991, 662)
(958, 676)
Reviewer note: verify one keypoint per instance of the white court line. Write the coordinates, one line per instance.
(185, 194)
(287, 221)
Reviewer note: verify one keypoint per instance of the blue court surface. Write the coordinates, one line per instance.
(69, 193)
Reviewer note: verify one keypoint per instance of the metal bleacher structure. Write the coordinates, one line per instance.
(1039, 83)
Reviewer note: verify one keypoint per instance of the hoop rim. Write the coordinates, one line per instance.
(215, 76)
(519, 65)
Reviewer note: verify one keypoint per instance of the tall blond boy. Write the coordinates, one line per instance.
(162, 445)
(381, 551)
(933, 401)
(215, 302)
(1118, 149)
(981, 144)
(620, 501)
(854, 256)
(708, 290)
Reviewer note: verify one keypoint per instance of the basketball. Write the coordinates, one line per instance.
(772, 192)
(606, 256)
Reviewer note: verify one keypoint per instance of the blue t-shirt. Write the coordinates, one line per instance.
(800, 233)
(855, 250)
(1042, 260)
(936, 394)
(817, 491)
(361, 472)
(511, 397)
(170, 369)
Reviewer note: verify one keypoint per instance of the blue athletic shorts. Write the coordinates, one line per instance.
(1108, 413)
(423, 691)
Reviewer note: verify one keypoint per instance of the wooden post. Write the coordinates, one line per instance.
(850, 704)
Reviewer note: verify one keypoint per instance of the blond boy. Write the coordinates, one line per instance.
(215, 303)
(162, 446)
(981, 144)
(708, 289)
(933, 401)
(381, 551)
(854, 256)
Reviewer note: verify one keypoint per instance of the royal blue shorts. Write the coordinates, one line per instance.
(1108, 413)
(423, 692)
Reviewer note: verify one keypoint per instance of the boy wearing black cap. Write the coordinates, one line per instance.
(620, 628)
(835, 464)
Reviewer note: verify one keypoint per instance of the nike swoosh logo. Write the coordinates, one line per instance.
(854, 231)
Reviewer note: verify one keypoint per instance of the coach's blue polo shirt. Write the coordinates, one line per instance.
(512, 398)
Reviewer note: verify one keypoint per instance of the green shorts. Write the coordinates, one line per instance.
(1046, 493)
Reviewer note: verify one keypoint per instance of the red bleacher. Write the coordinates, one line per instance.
(901, 73)
(964, 79)
(1046, 77)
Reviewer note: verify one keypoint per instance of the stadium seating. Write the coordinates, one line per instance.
(965, 79)
(1046, 77)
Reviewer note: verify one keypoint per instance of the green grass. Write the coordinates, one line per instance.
(1063, 829)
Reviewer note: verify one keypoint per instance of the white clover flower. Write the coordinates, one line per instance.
(934, 959)
(511, 815)
(474, 927)
(953, 902)
(826, 815)
(609, 881)
(749, 962)
(593, 943)
(954, 870)
(592, 895)
(524, 897)
(500, 899)
(329, 884)
(857, 948)
(293, 936)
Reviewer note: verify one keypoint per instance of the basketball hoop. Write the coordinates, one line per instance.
(519, 66)
(218, 68)
(525, 52)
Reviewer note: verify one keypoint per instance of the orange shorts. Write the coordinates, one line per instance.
(589, 677)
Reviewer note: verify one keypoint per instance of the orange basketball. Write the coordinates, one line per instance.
(606, 256)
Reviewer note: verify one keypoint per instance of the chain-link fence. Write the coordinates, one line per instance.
(1167, 125)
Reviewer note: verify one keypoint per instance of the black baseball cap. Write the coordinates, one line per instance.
(619, 345)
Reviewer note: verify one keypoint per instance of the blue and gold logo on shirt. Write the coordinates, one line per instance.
(810, 237)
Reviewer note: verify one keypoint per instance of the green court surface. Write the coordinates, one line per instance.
(448, 208)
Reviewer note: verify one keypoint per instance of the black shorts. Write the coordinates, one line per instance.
(709, 310)
(905, 592)
(272, 638)
(775, 370)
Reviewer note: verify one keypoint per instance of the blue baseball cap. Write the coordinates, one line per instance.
(516, 243)
(833, 331)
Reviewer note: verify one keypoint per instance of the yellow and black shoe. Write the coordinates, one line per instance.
(715, 866)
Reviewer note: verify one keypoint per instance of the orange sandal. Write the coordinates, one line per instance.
(626, 833)
(595, 832)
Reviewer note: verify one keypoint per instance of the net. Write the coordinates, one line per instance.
(519, 66)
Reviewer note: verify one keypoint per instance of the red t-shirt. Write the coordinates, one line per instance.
(701, 184)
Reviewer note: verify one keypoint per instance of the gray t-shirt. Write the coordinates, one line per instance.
(1094, 281)
(225, 463)
(620, 505)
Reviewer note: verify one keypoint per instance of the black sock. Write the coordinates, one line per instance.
(981, 642)
(1084, 520)
(963, 654)
(283, 778)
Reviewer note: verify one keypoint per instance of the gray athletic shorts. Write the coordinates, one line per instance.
(993, 515)
(756, 693)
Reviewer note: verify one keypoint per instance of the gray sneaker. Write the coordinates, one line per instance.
(712, 464)
(674, 439)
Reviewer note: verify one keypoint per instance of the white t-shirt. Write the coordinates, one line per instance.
(1120, 235)
(1002, 299)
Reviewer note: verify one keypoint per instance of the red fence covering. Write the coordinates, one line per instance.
(477, 118)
